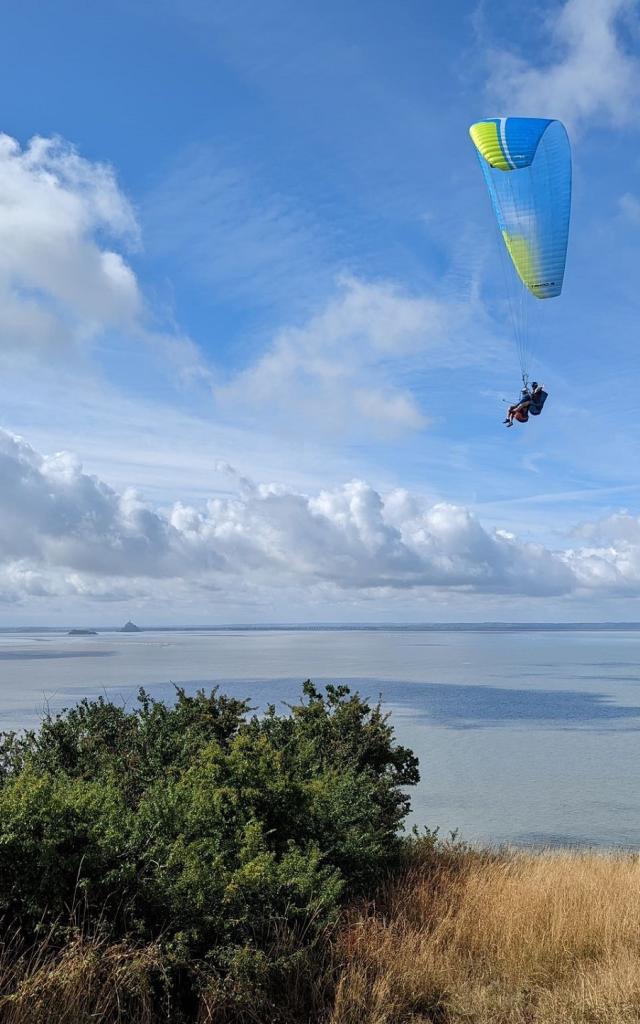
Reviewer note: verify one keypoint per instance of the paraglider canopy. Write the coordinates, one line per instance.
(526, 162)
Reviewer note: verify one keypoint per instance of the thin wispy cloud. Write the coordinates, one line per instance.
(629, 205)
(236, 236)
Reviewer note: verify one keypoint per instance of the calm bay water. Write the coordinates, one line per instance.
(530, 737)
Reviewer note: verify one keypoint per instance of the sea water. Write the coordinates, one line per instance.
(528, 736)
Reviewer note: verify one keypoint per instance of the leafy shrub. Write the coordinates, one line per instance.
(229, 838)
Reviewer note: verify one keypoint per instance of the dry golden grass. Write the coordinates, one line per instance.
(462, 938)
(88, 981)
(516, 938)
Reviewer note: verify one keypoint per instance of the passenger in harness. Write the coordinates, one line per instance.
(530, 403)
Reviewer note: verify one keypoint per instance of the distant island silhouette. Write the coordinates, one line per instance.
(82, 632)
(130, 627)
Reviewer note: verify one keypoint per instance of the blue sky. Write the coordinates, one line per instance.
(254, 339)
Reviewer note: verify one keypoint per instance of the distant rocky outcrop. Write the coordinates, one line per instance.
(130, 627)
(82, 632)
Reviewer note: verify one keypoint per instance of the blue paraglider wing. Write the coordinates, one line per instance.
(526, 163)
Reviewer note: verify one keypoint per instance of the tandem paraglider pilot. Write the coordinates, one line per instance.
(526, 165)
(530, 403)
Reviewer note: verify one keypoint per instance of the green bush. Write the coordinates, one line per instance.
(230, 838)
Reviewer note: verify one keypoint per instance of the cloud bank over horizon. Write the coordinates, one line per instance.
(66, 533)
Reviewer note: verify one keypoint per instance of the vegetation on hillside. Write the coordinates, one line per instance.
(199, 864)
(218, 845)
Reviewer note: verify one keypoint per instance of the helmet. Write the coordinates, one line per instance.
(534, 383)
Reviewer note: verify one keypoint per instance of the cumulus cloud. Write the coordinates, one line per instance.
(63, 532)
(609, 556)
(60, 282)
(589, 71)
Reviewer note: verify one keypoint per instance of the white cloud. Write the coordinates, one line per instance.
(59, 282)
(620, 527)
(610, 557)
(344, 370)
(63, 532)
(53, 514)
(590, 71)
